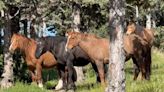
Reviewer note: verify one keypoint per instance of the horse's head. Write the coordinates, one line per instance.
(14, 43)
(40, 46)
(73, 39)
(131, 28)
(69, 31)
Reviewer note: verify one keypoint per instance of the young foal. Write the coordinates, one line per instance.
(28, 47)
(98, 50)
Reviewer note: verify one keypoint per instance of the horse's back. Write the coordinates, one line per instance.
(146, 34)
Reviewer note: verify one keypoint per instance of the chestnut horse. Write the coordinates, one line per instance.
(28, 47)
(98, 50)
(144, 33)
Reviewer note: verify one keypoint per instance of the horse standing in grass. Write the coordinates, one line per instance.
(98, 50)
(74, 57)
(28, 48)
(145, 34)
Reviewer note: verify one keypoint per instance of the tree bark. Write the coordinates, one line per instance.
(148, 21)
(76, 23)
(153, 23)
(11, 19)
(137, 15)
(116, 77)
(25, 27)
(76, 17)
(7, 75)
(33, 33)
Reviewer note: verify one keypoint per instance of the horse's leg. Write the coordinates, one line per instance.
(62, 81)
(148, 64)
(141, 63)
(74, 77)
(100, 67)
(33, 77)
(143, 70)
(71, 84)
(39, 74)
(136, 68)
(97, 75)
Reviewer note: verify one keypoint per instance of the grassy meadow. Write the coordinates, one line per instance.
(156, 84)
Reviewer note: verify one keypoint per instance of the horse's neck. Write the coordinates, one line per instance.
(27, 48)
(85, 45)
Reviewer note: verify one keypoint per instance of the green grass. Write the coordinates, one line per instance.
(156, 84)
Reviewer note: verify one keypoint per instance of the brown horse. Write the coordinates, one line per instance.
(28, 47)
(86, 41)
(145, 34)
(98, 50)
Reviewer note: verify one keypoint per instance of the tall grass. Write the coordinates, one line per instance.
(156, 84)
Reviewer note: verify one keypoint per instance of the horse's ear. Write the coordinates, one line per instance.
(66, 33)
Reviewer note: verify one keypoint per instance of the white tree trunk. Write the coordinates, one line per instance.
(76, 23)
(80, 74)
(7, 75)
(76, 17)
(148, 21)
(116, 63)
(137, 15)
(153, 23)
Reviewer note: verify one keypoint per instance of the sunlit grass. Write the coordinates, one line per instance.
(156, 84)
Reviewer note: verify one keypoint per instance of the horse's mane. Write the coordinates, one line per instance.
(139, 39)
(139, 28)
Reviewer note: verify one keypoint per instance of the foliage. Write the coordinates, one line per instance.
(2, 5)
(94, 19)
(159, 38)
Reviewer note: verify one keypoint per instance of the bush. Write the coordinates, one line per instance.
(159, 38)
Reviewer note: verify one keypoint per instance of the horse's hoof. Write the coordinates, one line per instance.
(40, 85)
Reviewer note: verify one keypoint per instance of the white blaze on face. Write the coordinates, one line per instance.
(67, 43)
(128, 32)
